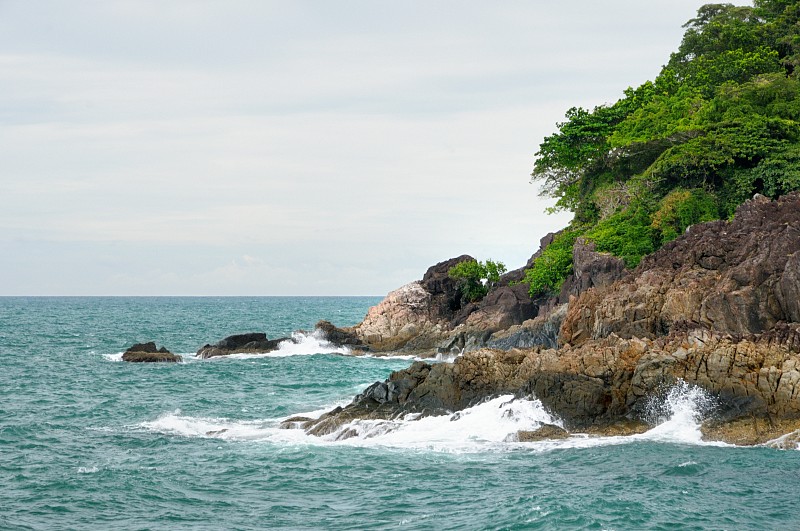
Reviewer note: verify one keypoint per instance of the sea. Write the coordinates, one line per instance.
(88, 441)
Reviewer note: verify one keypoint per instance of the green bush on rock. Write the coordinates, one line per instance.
(553, 266)
(477, 278)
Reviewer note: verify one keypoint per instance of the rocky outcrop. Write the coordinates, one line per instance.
(602, 383)
(738, 277)
(591, 269)
(717, 308)
(255, 342)
(541, 331)
(149, 353)
(544, 432)
(339, 336)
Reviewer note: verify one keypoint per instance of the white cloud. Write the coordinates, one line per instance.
(330, 148)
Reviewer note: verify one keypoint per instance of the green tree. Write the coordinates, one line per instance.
(476, 278)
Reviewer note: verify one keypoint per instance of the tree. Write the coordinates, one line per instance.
(476, 278)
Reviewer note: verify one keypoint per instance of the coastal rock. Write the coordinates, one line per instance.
(541, 331)
(716, 309)
(255, 342)
(603, 384)
(737, 277)
(414, 317)
(149, 353)
(592, 269)
(543, 433)
(340, 337)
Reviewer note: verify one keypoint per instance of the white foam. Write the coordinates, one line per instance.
(488, 426)
(679, 416)
(176, 424)
(787, 441)
(490, 423)
(301, 344)
(88, 470)
(113, 357)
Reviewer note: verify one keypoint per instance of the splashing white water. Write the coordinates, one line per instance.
(490, 425)
(679, 415)
(176, 424)
(301, 344)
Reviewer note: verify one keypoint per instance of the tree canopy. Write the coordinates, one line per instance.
(720, 123)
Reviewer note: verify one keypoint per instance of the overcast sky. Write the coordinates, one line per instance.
(294, 147)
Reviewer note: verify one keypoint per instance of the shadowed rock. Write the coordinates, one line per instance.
(253, 343)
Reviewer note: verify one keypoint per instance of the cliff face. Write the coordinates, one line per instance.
(718, 308)
(738, 277)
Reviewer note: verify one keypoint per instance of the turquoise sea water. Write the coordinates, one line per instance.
(90, 442)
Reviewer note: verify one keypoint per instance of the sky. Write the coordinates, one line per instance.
(245, 147)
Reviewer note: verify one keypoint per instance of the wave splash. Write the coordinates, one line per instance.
(679, 414)
(490, 425)
(301, 344)
(491, 422)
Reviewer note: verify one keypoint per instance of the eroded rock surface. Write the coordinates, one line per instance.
(738, 277)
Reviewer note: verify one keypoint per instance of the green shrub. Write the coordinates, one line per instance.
(476, 278)
(681, 208)
(553, 266)
(627, 234)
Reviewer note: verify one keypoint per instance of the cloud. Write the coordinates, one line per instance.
(342, 147)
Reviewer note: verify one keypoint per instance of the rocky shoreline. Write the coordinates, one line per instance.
(717, 308)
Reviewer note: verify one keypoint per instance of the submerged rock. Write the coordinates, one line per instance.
(149, 353)
(255, 343)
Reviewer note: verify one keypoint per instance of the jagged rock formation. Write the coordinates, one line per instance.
(149, 353)
(255, 342)
(427, 317)
(738, 277)
(602, 382)
(717, 308)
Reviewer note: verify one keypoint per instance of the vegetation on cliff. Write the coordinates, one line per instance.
(720, 123)
(475, 278)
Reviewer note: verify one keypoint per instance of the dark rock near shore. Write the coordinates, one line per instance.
(149, 353)
(341, 337)
(255, 342)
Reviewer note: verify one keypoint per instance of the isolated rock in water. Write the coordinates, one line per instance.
(255, 342)
(148, 352)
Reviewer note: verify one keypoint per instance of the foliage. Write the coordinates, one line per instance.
(476, 278)
(682, 208)
(627, 234)
(720, 123)
(552, 267)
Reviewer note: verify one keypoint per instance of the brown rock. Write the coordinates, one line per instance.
(149, 353)
(545, 432)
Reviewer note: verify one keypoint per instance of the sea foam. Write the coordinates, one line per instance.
(488, 426)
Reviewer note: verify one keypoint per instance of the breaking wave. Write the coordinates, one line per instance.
(492, 424)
